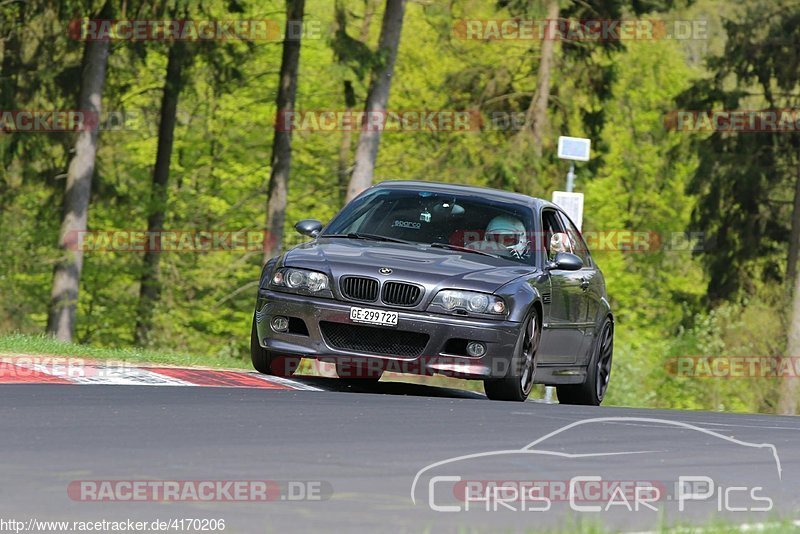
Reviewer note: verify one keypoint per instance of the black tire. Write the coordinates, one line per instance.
(518, 382)
(267, 362)
(598, 372)
(358, 370)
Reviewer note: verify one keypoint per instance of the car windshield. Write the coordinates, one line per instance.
(467, 222)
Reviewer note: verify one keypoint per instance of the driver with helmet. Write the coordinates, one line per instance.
(505, 235)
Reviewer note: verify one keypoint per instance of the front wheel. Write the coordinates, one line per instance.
(598, 373)
(518, 382)
(267, 362)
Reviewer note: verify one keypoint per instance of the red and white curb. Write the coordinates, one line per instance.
(79, 371)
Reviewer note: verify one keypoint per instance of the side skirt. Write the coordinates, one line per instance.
(552, 376)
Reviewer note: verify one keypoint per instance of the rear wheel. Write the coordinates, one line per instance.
(518, 382)
(598, 373)
(268, 362)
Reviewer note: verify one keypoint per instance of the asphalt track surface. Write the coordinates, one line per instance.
(366, 445)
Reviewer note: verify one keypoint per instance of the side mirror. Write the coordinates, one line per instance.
(309, 227)
(566, 261)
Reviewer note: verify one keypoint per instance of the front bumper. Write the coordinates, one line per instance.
(437, 356)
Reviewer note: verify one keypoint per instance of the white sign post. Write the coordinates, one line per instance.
(572, 204)
(572, 149)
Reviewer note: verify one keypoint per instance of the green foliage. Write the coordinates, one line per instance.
(753, 330)
(640, 187)
(744, 182)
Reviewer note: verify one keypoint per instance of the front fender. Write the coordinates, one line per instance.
(520, 295)
(605, 311)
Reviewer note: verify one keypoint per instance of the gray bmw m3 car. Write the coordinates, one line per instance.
(421, 277)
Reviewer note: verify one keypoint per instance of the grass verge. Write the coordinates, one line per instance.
(21, 344)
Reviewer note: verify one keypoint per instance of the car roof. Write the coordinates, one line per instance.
(498, 194)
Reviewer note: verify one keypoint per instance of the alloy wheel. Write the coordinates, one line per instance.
(530, 346)
(604, 357)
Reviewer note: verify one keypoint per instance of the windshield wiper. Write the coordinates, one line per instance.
(371, 237)
(448, 246)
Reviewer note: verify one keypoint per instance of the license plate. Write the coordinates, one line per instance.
(368, 315)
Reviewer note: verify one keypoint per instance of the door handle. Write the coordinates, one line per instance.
(584, 284)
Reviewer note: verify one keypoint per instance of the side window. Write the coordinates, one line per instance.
(551, 225)
(578, 244)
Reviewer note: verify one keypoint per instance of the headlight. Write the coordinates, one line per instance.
(300, 279)
(471, 301)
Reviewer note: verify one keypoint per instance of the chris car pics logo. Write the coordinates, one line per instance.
(511, 480)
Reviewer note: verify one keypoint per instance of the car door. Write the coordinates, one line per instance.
(590, 282)
(562, 339)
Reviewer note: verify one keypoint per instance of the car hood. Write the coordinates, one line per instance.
(434, 268)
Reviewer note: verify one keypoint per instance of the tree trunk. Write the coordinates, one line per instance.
(345, 145)
(789, 387)
(378, 97)
(150, 286)
(536, 116)
(343, 165)
(67, 272)
(282, 140)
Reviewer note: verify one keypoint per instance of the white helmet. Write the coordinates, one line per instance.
(505, 224)
(508, 232)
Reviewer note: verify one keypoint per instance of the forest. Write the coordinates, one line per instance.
(216, 125)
